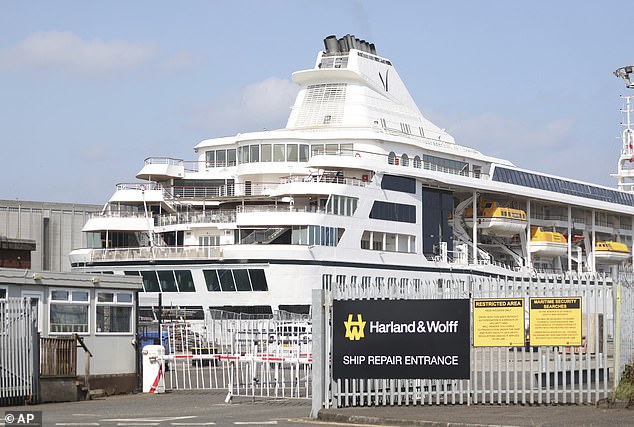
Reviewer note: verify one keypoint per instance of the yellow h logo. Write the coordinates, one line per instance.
(354, 330)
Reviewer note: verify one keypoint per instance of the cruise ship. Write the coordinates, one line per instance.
(358, 188)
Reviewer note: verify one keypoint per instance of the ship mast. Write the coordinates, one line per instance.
(625, 173)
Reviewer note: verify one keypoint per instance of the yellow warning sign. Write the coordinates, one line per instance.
(555, 321)
(498, 322)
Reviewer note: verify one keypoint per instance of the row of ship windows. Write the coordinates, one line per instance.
(220, 280)
(388, 242)
(273, 153)
(429, 162)
(562, 186)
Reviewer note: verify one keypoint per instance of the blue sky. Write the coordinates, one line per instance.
(88, 90)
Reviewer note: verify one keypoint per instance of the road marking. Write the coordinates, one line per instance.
(210, 423)
(138, 424)
(255, 423)
(147, 420)
(77, 424)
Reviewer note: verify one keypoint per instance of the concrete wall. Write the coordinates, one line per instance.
(55, 228)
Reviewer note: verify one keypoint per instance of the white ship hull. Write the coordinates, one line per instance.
(358, 188)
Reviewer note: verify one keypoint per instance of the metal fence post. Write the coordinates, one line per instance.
(319, 352)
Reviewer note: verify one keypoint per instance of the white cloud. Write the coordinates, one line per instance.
(265, 104)
(66, 53)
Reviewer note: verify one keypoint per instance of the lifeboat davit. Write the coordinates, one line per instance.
(548, 243)
(609, 252)
(497, 220)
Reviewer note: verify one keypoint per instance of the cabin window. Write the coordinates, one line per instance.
(210, 158)
(417, 162)
(114, 312)
(278, 152)
(304, 151)
(167, 281)
(241, 277)
(231, 157)
(291, 153)
(221, 158)
(184, 281)
(258, 279)
(243, 155)
(266, 152)
(211, 279)
(254, 153)
(68, 311)
(226, 281)
(346, 149)
(317, 149)
(332, 149)
(150, 282)
(391, 158)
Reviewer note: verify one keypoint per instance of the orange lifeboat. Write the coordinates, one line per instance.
(497, 220)
(548, 243)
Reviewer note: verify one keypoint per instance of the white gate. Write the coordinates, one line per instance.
(18, 352)
(499, 375)
(249, 355)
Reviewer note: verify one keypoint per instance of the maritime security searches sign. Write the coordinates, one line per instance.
(401, 339)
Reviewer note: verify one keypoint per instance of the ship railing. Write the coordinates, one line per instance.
(228, 190)
(280, 208)
(325, 178)
(217, 216)
(553, 217)
(163, 161)
(139, 186)
(497, 264)
(156, 252)
(118, 214)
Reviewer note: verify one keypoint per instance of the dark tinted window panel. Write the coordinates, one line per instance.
(241, 277)
(225, 311)
(562, 186)
(399, 183)
(191, 312)
(211, 279)
(296, 308)
(393, 212)
(184, 281)
(131, 273)
(226, 280)
(150, 282)
(167, 281)
(146, 314)
(258, 279)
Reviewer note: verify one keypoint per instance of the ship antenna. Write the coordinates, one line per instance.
(625, 173)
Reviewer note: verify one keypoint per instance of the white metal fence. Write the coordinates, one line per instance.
(499, 375)
(248, 355)
(19, 364)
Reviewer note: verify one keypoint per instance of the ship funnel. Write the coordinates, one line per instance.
(344, 44)
(331, 44)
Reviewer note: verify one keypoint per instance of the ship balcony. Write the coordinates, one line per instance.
(257, 189)
(161, 168)
(192, 218)
(118, 220)
(148, 254)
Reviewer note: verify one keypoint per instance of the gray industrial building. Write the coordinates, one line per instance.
(55, 228)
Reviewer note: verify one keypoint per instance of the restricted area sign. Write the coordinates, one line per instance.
(498, 322)
(555, 321)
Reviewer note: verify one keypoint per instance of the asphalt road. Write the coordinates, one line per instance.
(183, 408)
